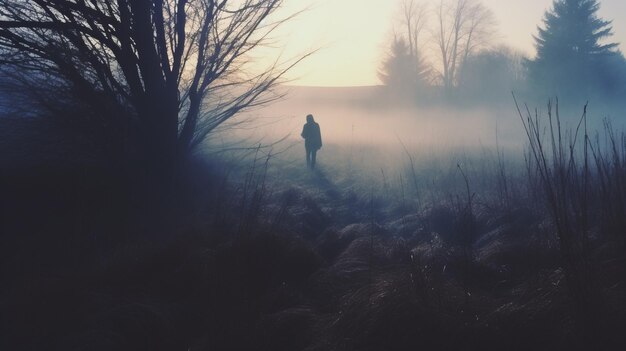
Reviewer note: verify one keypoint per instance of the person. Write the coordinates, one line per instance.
(312, 140)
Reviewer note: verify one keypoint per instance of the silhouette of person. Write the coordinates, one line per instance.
(312, 140)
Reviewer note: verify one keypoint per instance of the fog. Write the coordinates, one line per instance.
(362, 117)
(374, 144)
(357, 116)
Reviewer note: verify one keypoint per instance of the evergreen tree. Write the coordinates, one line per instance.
(403, 72)
(572, 58)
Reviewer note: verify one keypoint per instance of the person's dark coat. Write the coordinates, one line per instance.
(312, 136)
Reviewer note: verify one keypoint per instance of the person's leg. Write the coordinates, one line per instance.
(308, 157)
(313, 156)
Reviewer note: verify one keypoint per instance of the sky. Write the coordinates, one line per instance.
(351, 36)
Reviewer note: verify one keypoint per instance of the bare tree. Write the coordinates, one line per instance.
(414, 16)
(462, 27)
(172, 68)
(405, 70)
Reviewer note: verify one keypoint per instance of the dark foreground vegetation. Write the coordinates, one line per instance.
(481, 253)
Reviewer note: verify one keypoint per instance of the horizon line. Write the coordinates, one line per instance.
(331, 86)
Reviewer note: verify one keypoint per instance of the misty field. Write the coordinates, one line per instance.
(419, 228)
(502, 229)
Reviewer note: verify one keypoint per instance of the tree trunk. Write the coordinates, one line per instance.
(189, 127)
(158, 166)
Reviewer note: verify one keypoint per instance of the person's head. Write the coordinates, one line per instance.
(309, 119)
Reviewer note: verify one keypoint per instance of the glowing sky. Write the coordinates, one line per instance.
(352, 35)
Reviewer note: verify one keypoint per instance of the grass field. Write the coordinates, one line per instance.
(393, 242)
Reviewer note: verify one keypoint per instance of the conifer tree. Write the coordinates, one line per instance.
(402, 72)
(572, 55)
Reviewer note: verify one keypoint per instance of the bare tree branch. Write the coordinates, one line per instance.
(174, 66)
(463, 26)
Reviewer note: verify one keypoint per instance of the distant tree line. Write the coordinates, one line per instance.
(447, 50)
